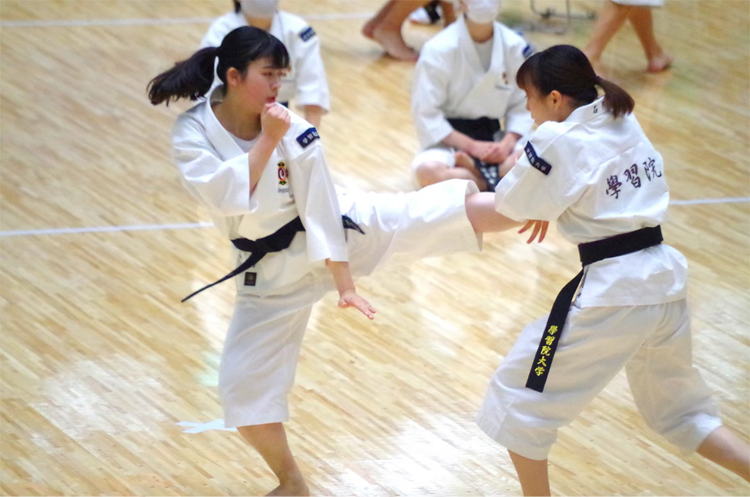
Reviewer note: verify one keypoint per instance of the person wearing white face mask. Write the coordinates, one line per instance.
(464, 86)
(306, 81)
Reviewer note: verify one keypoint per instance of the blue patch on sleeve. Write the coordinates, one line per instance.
(307, 34)
(528, 51)
(308, 137)
(535, 161)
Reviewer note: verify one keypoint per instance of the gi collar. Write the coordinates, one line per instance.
(588, 112)
(217, 135)
(276, 26)
(467, 45)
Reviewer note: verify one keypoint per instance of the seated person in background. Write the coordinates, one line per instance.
(464, 84)
(306, 80)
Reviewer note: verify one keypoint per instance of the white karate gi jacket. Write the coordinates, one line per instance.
(306, 81)
(450, 82)
(603, 178)
(296, 182)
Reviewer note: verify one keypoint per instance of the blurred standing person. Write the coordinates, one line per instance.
(305, 82)
(613, 15)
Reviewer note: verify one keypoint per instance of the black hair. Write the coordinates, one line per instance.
(566, 69)
(192, 78)
(237, 6)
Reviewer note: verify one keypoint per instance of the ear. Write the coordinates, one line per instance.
(234, 77)
(555, 98)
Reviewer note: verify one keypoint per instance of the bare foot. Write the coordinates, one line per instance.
(291, 488)
(660, 62)
(465, 161)
(369, 28)
(394, 44)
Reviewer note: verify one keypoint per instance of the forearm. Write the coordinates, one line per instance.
(258, 158)
(314, 114)
(458, 140)
(509, 140)
(342, 276)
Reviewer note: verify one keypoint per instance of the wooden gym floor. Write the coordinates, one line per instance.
(109, 383)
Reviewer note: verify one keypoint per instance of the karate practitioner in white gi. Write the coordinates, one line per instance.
(305, 82)
(464, 85)
(589, 166)
(260, 171)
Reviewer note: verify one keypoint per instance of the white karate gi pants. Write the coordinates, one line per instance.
(653, 344)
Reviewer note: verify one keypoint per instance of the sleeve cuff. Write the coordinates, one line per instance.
(520, 124)
(319, 99)
(436, 133)
(336, 254)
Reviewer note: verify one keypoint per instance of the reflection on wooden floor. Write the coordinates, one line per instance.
(100, 361)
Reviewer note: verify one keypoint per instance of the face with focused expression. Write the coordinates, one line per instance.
(259, 86)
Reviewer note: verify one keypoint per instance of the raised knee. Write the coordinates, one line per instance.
(430, 173)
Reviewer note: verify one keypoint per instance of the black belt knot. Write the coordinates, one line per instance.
(590, 253)
(277, 241)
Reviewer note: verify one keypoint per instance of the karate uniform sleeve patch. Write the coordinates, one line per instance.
(528, 51)
(308, 137)
(307, 34)
(534, 160)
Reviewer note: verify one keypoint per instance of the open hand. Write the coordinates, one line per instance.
(349, 298)
(540, 228)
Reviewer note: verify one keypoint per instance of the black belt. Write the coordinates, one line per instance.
(275, 242)
(483, 129)
(590, 253)
(432, 12)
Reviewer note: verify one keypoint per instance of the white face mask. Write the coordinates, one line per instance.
(264, 9)
(482, 11)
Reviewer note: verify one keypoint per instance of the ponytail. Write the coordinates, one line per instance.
(566, 69)
(194, 77)
(191, 78)
(616, 100)
(237, 6)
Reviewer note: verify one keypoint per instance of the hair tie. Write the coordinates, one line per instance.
(598, 81)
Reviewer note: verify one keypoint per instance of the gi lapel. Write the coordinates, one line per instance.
(219, 137)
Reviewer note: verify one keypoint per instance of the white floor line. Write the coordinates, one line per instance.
(64, 23)
(104, 229)
(185, 226)
(728, 200)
